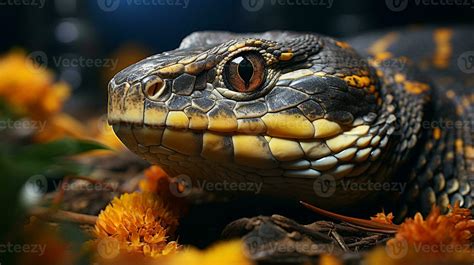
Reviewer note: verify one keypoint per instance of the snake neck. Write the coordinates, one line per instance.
(406, 97)
(441, 170)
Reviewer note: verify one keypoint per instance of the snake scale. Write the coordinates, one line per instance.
(385, 118)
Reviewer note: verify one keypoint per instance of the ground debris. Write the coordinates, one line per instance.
(276, 239)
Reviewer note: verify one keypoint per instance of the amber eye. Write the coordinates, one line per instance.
(245, 73)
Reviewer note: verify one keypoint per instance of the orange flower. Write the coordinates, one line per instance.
(383, 218)
(102, 132)
(30, 90)
(157, 181)
(327, 259)
(140, 223)
(438, 239)
(59, 126)
(229, 253)
(49, 245)
(454, 228)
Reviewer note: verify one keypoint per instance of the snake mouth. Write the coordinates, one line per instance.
(222, 147)
(342, 155)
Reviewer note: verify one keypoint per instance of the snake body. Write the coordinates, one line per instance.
(334, 123)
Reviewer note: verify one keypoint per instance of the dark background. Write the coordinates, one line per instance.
(81, 28)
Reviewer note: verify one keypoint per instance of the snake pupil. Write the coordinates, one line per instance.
(245, 70)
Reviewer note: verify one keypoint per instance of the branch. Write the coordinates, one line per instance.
(63, 216)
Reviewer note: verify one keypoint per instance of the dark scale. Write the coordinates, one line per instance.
(439, 170)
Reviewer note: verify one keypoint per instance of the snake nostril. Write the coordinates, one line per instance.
(155, 87)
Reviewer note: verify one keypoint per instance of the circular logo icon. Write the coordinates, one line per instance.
(108, 248)
(325, 186)
(37, 184)
(37, 60)
(181, 186)
(466, 62)
(108, 5)
(396, 5)
(253, 5)
(397, 249)
(252, 245)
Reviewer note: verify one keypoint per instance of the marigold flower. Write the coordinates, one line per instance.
(140, 222)
(229, 253)
(105, 134)
(48, 245)
(383, 218)
(157, 181)
(327, 259)
(59, 126)
(456, 227)
(438, 239)
(30, 90)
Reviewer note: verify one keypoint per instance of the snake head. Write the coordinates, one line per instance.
(276, 108)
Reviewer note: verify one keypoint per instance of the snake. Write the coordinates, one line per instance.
(382, 118)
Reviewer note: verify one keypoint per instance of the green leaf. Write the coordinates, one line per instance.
(61, 148)
(18, 164)
(6, 111)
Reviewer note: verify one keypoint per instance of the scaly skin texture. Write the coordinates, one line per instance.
(327, 125)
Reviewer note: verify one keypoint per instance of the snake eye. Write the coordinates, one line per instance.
(245, 73)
